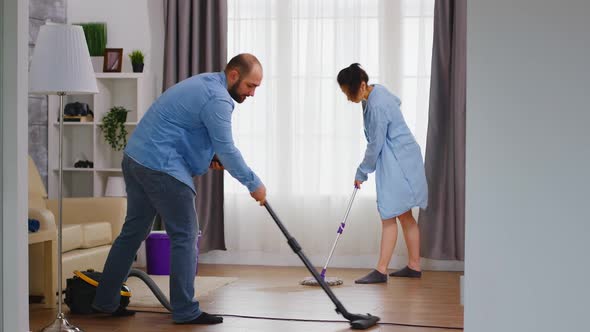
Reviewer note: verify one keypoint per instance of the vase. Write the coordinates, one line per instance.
(122, 116)
(137, 67)
(115, 187)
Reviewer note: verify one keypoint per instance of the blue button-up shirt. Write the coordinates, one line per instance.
(185, 127)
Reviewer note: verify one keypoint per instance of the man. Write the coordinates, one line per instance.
(176, 140)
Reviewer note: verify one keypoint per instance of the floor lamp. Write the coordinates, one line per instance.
(61, 66)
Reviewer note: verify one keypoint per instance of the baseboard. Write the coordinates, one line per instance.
(360, 261)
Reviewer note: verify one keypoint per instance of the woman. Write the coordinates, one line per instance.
(394, 155)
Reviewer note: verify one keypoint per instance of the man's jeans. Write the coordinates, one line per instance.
(150, 192)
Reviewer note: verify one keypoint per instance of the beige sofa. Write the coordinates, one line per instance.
(89, 227)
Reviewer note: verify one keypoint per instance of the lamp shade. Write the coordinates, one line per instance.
(61, 62)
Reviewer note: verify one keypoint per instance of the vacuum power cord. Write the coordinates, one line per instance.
(317, 320)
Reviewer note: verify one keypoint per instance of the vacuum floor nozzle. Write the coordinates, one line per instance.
(363, 322)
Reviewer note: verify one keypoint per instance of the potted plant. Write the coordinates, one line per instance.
(96, 39)
(113, 127)
(136, 61)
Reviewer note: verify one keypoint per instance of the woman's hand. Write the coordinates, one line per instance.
(357, 184)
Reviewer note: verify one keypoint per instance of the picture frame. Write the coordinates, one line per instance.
(113, 60)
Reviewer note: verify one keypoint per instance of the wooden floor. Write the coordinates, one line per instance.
(275, 292)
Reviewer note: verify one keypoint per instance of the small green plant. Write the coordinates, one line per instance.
(136, 57)
(96, 37)
(113, 127)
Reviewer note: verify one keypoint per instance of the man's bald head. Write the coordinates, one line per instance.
(243, 63)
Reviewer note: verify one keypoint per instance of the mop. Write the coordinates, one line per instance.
(332, 281)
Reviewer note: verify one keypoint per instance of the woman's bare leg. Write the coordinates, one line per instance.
(388, 240)
(412, 237)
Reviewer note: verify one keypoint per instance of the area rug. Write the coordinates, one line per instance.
(141, 296)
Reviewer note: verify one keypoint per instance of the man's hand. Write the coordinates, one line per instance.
(259, 194)
(216, 164)
(357, 184)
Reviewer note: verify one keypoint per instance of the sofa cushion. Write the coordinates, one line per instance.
(96, 234)
(71, 237)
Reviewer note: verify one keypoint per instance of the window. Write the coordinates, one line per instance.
(299, 133)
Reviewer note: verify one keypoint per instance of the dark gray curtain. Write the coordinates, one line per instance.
(442, 224)
(196, 42)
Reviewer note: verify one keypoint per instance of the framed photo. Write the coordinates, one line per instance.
(113, 60)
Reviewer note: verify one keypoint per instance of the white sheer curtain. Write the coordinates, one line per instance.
(301, 135)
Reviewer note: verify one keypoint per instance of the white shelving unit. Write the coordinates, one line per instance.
(84, 140)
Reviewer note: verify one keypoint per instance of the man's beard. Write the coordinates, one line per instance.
(233, 92)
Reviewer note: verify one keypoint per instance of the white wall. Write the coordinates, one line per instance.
(131, 24)
(14, 287)
(528, 162)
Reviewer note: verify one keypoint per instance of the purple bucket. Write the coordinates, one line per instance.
(157, 250)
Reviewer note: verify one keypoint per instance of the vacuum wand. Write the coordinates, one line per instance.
(339, 233)
(357, 321)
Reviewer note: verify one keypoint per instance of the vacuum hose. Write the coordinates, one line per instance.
(152, 286)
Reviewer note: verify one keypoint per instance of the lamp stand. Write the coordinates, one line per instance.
(60, 323)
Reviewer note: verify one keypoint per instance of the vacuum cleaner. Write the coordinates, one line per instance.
(81, 289)
(357, 321)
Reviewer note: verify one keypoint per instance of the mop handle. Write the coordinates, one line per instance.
(340, 230)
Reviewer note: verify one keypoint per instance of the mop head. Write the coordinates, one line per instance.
(331, 281)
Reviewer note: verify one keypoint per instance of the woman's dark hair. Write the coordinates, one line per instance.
(352, 77)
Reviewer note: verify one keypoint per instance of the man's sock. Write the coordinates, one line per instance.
(406, 272)
(374, 277)
(205, 319)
